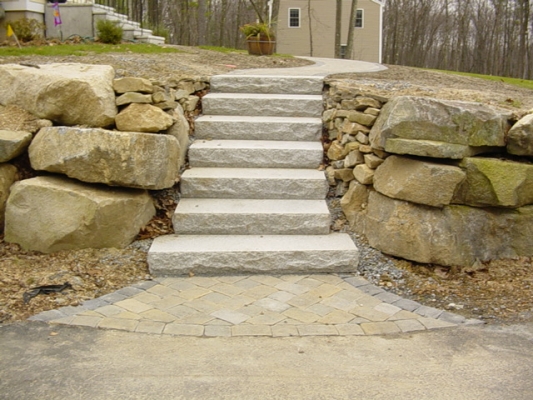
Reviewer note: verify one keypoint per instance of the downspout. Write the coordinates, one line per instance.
(380, 31)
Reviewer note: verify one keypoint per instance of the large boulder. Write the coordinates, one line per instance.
(15, 118)
(143, 118)
(8, 176)
(133, 97)
(361, 118)
(453, 235)
(520, 138)
(421, 118)
(13, 144)
(129, 159)
(180, 130)
(363, 174)
(354, 203)
(433, 149)
(68, 94)
(495, 182)
(418, 181)
(132, 84)
(49, 214)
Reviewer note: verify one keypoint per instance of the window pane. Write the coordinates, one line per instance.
(294, 17)
(359, 19)
(344, 47)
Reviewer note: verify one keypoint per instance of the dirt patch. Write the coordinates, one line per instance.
(499, 291)
(91, 272)
(164, 67)
(407, 81)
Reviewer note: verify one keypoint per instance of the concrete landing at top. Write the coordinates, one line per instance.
(322, 68)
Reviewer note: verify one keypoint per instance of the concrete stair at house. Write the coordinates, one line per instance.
(131, 30)
(254, 197)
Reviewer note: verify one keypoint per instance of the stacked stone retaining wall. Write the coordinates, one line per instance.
(423, 179)
(98, 145)
(432, 181)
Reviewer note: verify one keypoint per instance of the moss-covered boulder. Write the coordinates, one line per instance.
(421, 118)
(418, 181)
(453, 235)
(520, 138)
(495, 182)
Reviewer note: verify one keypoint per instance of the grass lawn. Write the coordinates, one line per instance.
(523, 83)
(84, 49)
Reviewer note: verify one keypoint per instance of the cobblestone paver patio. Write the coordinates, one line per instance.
(255, 305)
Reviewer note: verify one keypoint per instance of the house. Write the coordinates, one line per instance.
(296, 36)
(17, 9)
(79, 17)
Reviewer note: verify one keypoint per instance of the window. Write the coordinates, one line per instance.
(294, 17)
(359, 19)
(344, 47)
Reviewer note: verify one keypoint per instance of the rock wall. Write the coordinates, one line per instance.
(432, 181)
(99, 143)
(427, 180)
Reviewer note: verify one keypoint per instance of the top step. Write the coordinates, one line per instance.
(264, 105)
(267, 84)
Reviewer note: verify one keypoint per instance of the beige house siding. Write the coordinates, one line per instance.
(296, 41)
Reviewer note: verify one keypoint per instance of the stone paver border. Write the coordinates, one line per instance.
(256, 305)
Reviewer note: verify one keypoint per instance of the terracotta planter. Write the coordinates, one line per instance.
(262, 46)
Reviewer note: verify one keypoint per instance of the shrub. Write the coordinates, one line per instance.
(109, 32)
(257, 29)
(161, 30)
(27, 29)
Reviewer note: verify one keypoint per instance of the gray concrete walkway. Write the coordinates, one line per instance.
(321, 67)
(38, 361)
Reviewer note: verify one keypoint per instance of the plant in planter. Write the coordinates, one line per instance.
(260, 39)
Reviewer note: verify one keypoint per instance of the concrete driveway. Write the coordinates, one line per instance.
(38, 361)
(321, 67)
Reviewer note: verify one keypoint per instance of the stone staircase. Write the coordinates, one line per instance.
(254, 198)
(131, 30)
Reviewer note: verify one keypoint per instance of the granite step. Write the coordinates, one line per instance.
(255, 154)
(254, 104)
(229, 127)
(254, 183)
(267, 84)
(251, 217)
(174, 255)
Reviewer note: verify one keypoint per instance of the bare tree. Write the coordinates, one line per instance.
(338, 28)
(351, 27)
(309, 16)
(483, 36)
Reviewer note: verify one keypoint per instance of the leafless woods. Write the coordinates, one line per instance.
(483, 36)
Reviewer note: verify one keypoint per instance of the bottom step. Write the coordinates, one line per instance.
(173, 255)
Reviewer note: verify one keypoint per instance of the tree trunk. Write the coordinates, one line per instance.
(201, 23)
(351, 28)
(310, 28)
(524, 39)
(338, 27)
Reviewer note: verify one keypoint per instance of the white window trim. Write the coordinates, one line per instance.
(299, 17)
(362, 19)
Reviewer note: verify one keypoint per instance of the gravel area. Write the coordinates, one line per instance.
(496, 292)
(189, 61)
